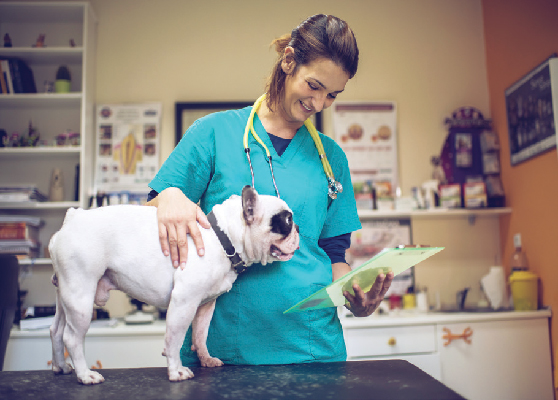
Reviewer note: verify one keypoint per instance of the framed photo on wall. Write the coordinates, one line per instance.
(529, 108)
(186, 113)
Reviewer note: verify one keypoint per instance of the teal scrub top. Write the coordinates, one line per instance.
(248, 327)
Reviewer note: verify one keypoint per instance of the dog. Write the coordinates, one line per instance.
(117, 247)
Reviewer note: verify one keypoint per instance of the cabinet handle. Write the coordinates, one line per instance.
(392, 341)
(449, 337)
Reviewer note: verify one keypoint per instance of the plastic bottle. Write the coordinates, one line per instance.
(519, 258)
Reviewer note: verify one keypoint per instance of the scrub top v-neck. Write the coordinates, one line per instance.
(249, 327)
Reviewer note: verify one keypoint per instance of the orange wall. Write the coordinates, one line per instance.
(519, 35)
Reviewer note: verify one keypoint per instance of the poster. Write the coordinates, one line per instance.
(372, 238)
(531, 121)
(128, 139)
(366, 131)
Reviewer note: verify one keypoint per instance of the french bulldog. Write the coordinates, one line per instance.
(117, 247)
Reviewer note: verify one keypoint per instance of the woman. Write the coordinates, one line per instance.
(209, 164)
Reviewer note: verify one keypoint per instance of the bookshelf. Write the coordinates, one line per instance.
(51, 113)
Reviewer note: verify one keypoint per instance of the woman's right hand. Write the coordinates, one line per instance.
(177, 217)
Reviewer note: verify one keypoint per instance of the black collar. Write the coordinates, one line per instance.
(237, 263)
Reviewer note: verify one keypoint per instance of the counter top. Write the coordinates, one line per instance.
(390, 379)
(406, 318)
(403, 318)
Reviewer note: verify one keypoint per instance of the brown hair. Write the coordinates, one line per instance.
(320, 36)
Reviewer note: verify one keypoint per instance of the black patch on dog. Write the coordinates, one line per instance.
(282, 223)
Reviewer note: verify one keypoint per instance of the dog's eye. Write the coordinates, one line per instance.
(282, 223)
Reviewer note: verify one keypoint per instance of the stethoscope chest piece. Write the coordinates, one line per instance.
(334, 188)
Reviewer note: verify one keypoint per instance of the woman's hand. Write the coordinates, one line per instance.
(364, 304)
(177, 217)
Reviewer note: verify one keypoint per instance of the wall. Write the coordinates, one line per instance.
(520, 35)
(428, 56)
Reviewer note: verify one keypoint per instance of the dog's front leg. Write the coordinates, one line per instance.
(180, 314)
(200, 327)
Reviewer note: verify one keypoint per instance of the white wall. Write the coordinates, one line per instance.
(426, 55)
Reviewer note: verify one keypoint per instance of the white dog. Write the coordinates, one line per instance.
(117, 247)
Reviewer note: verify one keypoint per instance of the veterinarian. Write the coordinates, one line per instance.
(212, 162)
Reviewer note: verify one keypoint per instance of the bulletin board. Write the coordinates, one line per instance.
(530, 114)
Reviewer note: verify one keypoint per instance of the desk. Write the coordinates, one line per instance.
(392, 379)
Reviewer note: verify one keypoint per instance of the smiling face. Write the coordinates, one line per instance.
(310, 88)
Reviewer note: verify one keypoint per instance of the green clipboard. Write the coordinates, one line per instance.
(392, 259)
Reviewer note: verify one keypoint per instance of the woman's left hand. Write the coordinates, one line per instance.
(364, 304)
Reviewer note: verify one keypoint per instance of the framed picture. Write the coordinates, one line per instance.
(530, 114)
(186, 113)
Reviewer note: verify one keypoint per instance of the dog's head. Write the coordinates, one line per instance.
(270, 233)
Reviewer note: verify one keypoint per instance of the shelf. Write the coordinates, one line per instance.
(37, 151)
(35, 261)
(40, 100)
(45, 55)
(435, 213)
(47, 205)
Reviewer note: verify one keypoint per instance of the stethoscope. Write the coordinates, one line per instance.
(334, 187)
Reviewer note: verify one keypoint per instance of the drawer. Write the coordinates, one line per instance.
(371, 342)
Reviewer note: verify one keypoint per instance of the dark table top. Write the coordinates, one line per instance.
(361, 380)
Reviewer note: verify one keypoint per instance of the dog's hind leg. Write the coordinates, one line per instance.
(78, 307)
(59, 365)
(200, 328)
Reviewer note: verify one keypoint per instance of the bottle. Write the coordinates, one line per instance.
(519, 258)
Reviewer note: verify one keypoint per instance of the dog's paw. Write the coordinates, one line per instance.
(65, 370)
(211, 362)
(90, 378)
(181, 374)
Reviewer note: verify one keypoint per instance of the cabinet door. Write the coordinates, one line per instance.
(504, 359)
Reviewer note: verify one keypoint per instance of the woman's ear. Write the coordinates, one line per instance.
(288, 63)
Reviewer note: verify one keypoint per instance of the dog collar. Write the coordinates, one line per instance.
(237, 263)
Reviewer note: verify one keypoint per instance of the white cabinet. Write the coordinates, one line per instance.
(122, 346)
(504, 359)
(51, 113)
(503, 355)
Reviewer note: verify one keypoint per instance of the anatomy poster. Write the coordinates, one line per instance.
(366, 131)
(128, 139)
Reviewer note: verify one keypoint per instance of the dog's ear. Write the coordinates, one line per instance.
(250, 204)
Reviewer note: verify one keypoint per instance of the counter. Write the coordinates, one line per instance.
(394, 379)
(495, 355)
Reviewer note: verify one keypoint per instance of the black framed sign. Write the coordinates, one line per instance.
(530, 114)
(186, 113)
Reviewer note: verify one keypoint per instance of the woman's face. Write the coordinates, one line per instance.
(312, 88)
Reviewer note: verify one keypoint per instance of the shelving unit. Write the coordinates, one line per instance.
(51, 113)
(471, 214)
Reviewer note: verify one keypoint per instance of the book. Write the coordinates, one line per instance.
(22, 76)
(8, 76)
(20, 193)
(26, 247)
(18, 231)
(3, 86)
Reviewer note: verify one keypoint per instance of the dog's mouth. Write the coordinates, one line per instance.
(278, 254)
